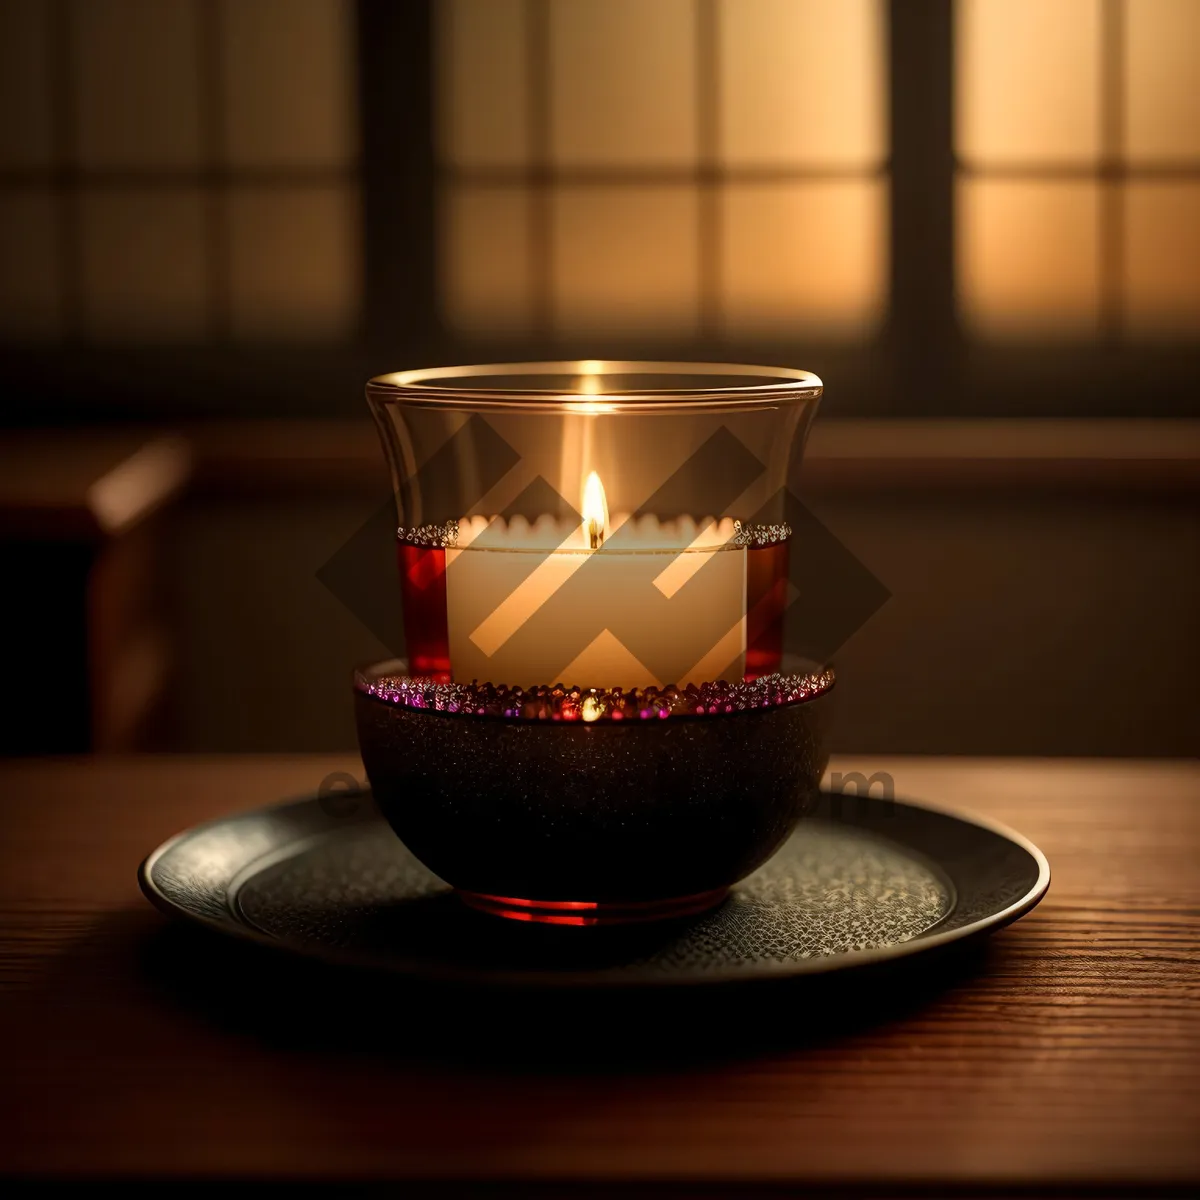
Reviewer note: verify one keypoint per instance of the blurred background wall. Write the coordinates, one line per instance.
(978, 220)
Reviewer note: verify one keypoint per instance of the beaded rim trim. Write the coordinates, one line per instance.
(760, 536)
(445, 535)
(560, 703)
(437, 536)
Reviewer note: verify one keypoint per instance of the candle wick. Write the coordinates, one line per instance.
(595, 533)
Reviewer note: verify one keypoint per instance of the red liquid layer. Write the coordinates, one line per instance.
(423, 593)
(766, 602)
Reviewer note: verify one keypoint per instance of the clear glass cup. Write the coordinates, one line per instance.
(593, 523)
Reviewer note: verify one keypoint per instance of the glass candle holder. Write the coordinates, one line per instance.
(596, 524)
(592, 553)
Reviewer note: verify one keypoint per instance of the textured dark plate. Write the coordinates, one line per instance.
(862, 881)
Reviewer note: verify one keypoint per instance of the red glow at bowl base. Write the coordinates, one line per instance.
(592, 912)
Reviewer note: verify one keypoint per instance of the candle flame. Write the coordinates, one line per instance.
(595, 512)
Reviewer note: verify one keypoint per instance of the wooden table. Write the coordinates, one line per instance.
(1063, 1054)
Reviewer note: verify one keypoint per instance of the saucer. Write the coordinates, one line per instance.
(862, 881)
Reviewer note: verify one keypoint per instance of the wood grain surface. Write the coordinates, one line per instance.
(1062, 1054)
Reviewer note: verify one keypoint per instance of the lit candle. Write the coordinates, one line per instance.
(623, 603)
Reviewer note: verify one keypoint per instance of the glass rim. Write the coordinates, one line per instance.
(451, 387)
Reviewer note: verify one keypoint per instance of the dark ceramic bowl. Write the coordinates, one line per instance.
(651, 813)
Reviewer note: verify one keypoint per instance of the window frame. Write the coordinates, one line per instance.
(920, 364)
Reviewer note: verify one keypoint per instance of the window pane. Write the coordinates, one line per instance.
(1163, 114)
(1027, 257)
(25, 140)
(1028, 80)
(1162, 265)
(622, 82)
(625, 260)
(801, 81)
(486, 264)
(294, 262)
(30, 305)
(145, 271)
(288, 82)
(803, 258)
(136, 82)
(483, 82)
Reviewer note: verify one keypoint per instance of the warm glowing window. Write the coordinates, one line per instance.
(668, 169)
(1078, 195)
(182, 170)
